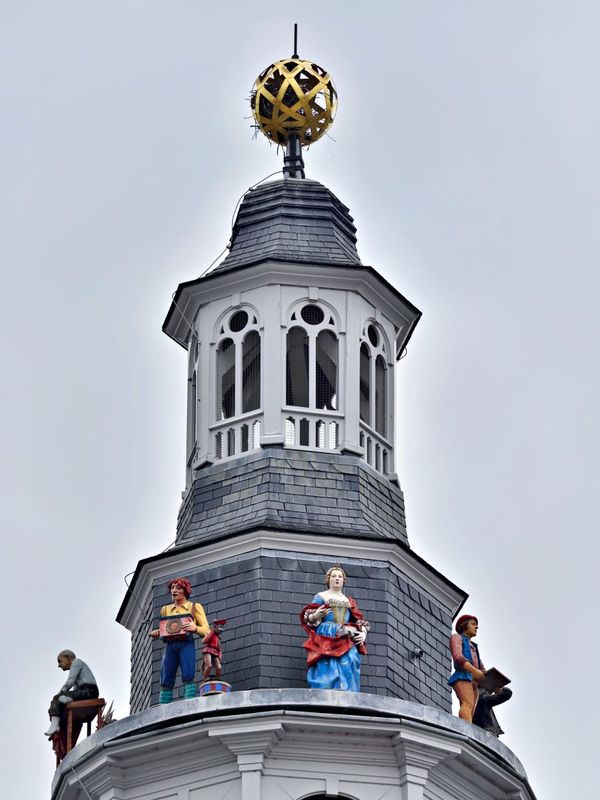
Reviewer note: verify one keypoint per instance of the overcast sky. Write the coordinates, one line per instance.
(466, 146)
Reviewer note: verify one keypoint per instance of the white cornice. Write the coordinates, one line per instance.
(363, 280)
(169, 749)
(418, 573)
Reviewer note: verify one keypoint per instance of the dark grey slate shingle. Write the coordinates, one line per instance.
(303, 490)
(262, 641)
(292, 220)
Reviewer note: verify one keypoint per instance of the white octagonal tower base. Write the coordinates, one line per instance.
(291, 744)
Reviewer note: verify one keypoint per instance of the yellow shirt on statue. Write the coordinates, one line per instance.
(194, 609)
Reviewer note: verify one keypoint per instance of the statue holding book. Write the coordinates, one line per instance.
(470, 676)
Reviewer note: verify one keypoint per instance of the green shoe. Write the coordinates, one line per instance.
(166, 696)
(189, 690)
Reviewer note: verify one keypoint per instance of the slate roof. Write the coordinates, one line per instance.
(292, 220)
(329, 493)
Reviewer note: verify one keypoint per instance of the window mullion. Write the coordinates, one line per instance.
(312, 370)
(372, 388)
(238, 377)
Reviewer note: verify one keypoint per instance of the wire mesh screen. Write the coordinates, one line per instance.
(194, 403)
(290, 431)
(326, 371)
(251, 372)
(192, 415)
(380, 399)
(238, 321)
(296, 374)
(365, 370)
(320, 433)
(226, 379)
(256, 434)
(333, 435)
(313, 315)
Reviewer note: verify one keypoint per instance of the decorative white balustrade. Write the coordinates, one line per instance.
(302, 429)
(232, 438)
(377, 450)
(313, 429)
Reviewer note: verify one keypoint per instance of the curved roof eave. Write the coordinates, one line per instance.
(171, 324)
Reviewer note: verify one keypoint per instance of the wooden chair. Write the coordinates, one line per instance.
(79, 712)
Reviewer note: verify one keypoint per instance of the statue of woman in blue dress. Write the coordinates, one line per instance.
(336, 636)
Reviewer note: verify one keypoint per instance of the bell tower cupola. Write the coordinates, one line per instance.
(292, 341)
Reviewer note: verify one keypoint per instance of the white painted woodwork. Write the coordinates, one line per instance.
(273, 295)
(289, 754)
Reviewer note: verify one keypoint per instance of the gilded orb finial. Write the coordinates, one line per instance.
(293, 98)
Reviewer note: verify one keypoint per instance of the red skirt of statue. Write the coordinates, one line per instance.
(324, 646)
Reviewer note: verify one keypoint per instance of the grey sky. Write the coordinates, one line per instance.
(466, 147)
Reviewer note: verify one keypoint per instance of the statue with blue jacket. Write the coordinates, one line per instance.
(468, 667)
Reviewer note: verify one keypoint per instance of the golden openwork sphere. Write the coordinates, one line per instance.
(293, 96)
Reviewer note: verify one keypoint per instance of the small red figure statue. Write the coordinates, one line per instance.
(211, 650)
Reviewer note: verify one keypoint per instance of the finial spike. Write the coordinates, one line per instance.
(293, 163)
(295, 40)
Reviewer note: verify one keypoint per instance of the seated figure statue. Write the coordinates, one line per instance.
(79, 685)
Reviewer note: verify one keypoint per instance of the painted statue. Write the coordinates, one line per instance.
(180, 622)
(211, 650)
(484, 716)
(79, 685)
(336, 632)
(468, 667)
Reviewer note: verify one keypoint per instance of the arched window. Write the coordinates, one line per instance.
(296, 373)
(326, 371)
(327, 797)
(373, 381)
(226, 379)
(238, 366)
(380, 398)
(365, 383)
(312, 357)
(192, 402)
(251, 372)
(193, 405)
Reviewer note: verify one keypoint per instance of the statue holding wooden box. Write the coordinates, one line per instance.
(180, 622)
